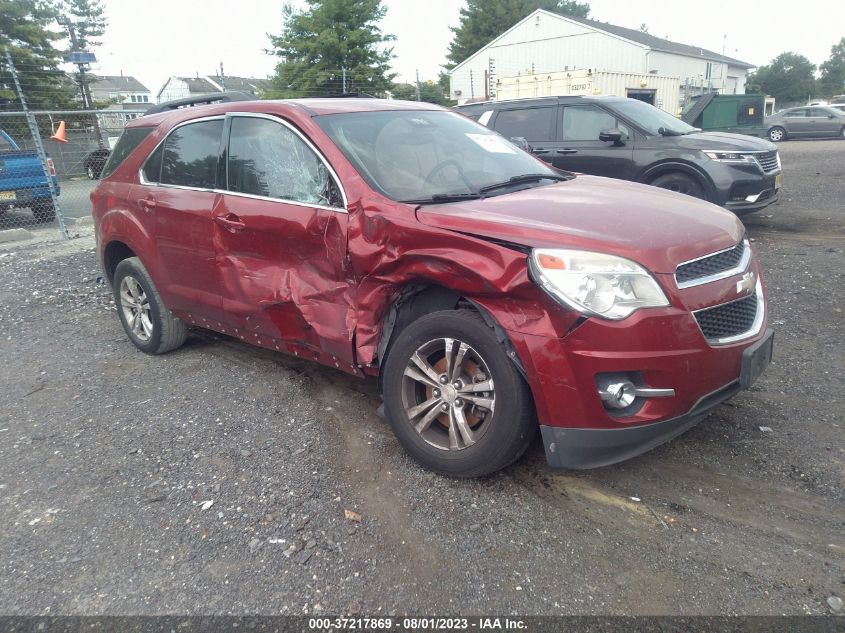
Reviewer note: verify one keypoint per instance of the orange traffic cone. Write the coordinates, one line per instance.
(60, 136)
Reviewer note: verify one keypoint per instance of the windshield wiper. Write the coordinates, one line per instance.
(445, 197)
(524, 178)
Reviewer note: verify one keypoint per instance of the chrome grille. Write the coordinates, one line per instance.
(690, 272)
(768, 160)
(729, 319)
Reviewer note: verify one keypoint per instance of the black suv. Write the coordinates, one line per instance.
(632, 140)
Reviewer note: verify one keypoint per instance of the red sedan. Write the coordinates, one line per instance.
(490, 294)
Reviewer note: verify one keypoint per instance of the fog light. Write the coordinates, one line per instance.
(618, 395)
(619, 391)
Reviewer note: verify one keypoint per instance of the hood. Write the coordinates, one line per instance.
(723, 141)
(654, 227)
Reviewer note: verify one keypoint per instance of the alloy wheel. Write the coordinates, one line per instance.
(136, 308)
(448, 394)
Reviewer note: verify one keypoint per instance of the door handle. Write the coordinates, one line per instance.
(539, 151)
(147, 204)
(230, 222)
(567, 151)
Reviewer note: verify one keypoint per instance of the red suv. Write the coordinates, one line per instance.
(486, 291)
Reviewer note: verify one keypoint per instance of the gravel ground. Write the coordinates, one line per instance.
(217, 479)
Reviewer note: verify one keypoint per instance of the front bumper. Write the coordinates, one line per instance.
(580, 449)
(745, 188)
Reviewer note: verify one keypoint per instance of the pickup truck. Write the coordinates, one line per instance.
(22, 181)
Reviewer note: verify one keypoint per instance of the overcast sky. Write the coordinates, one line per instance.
(154, 39)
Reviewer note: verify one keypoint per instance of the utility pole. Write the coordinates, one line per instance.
(39, 146)
(222, 77)
(471, 86)
(343, 70)
(491, 81)
(80, 59)
(418, 84)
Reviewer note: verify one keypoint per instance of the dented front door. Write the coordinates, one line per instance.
(281, 237)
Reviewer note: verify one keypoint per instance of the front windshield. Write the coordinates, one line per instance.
(412, 155)
(652, 119)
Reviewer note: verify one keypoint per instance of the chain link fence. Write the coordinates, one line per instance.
(50, 159)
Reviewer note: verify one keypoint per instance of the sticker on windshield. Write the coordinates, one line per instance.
(491, 143)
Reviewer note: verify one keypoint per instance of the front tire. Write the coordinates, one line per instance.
(455, 400)
(777, 134)
(150, 326)
(679, 183)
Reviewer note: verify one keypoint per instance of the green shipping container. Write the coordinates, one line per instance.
(740, 114)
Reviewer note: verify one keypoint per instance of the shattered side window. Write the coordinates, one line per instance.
(267, 159)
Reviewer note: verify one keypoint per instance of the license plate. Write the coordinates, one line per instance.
(778, 181)
(755, 359)
(7, 195)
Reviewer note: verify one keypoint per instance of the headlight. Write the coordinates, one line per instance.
(729, 157)
(594, 283)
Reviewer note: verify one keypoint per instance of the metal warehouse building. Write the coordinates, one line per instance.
(547, 42)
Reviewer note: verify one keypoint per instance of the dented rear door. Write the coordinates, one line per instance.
(281, 239)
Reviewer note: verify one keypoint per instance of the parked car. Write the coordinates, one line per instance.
(806, 122)
(95, 161)
(22, 181)
(838, 106)
(486, 292)
(632, 140)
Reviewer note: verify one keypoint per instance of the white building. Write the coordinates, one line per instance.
(181, 87)
(548, 42)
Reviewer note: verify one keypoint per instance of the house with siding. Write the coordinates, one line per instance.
(120, 89)
(182, 87)
(545, 42)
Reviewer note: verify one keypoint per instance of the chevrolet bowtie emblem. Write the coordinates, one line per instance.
(748, 282)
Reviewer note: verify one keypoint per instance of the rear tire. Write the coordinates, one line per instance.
(679, 183)
(44, 212)
(484, 423)
(777, 134)
(150, 326)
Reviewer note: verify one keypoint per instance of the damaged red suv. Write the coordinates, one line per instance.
(488, 293)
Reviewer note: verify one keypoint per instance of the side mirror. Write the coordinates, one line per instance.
(611, 136)
(521, 143)
(831, 116)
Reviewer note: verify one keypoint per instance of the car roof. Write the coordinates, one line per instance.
(544, 101)
(310, 107)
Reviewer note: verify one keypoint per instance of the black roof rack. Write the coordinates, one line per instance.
(189, 102)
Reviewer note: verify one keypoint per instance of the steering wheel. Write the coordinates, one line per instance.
(449, 163)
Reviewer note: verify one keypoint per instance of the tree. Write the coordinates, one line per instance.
(325, 38)
(832, 80)
(88, 20)
(429, 92)
(789, 78)
(482, 21)
(25, 30)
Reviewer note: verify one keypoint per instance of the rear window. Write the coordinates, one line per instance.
(190, 155)
(532, 124)
(126, 144)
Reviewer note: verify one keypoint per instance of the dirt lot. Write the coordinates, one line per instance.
(110, 461)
